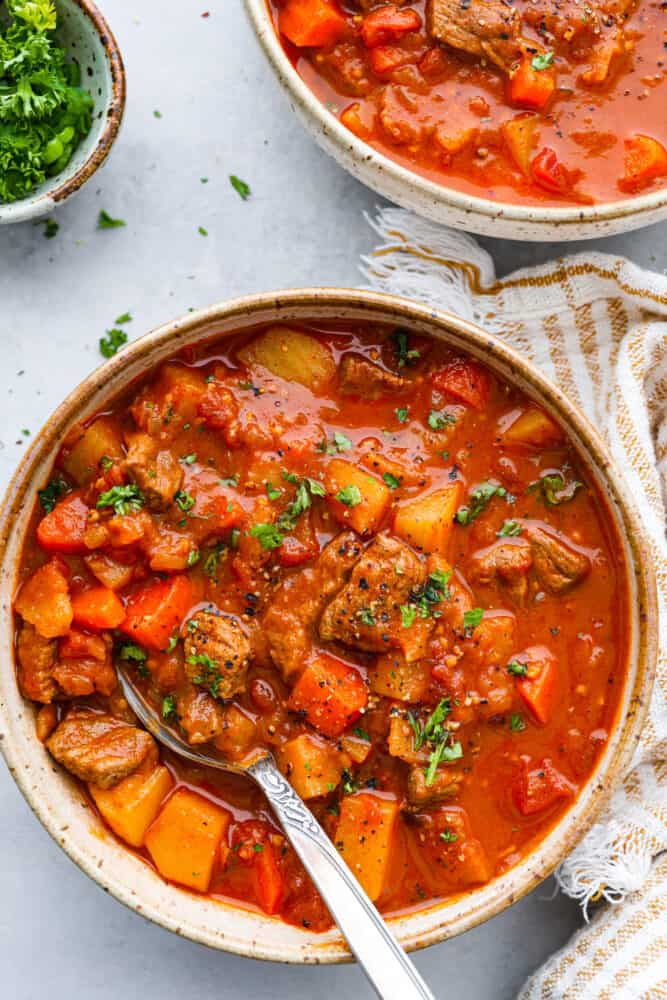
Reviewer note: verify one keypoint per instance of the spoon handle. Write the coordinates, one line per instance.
(387, 966)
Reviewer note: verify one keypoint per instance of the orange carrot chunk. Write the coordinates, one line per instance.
(539, 687)
(464, 380)
(540, 787)
(44, 600)
(317, 23)
(63, 529)
(155, 612)
(529, 87)
(388, 24)
(98, 608)
(330, 694)
(645, 160)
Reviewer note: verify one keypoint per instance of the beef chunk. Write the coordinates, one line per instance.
(557, 566)
(99, 748)
(84, 665)
(217, 653)
(509, 561)
(366, 613)
(36, 660)
(360, 377)
(289, 621)
(487, 29)
(156, 472)
(446, 784)
(199, 715)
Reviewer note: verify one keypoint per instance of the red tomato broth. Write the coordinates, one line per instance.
(584, 629)
(585, 126)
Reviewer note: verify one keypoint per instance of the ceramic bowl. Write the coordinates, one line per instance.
(85, 36)
(436, 201)
(59, 803)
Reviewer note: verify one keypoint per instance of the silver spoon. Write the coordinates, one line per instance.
(387, 966)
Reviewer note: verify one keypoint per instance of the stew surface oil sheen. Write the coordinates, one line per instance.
(547, 102)
(352, 546)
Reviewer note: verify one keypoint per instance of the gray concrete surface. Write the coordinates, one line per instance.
(221, 113)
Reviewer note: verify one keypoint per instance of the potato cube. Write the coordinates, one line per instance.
(292, 355)
(101, 439)
(357, 499)
(365, 837)
(393, 677)
(426, 523)
(185, 839)
(312, 766)
(130, 807)
(533, 429)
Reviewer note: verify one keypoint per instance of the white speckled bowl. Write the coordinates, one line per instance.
(58, 801)
(436, 201)
(85, 36)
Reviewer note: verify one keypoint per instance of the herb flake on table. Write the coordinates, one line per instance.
(106, 221)
(112, 342)
(241, 188)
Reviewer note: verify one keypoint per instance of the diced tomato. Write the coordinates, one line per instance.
(63, 529)
(98, 608)
(529, 87)
(44, 600)
(434, 64)
(540, 787)
(312, 23)
(385, 58)
(330, 694)
(387, 24)
(645, 160)
(464, 380)
(295, 551)
(156, 611)
(217, 406)
(538, 688)
(550, 174)
(80, 645)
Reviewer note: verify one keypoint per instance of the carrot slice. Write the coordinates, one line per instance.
(645, 160)
(155, 612)
(316, 23)
(540, 787)
(529, 87)
(63, 529)
(98, 608)
(330, 694)
(44, 600)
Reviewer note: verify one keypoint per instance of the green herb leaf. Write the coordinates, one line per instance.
(51, 494)
(543, 60)
(189, 459)
(404, 354)
(241, 188)
(194, 556)
(113, 341)
(232, 481)
(132, 653)
(349, 495)
(209, 676)
(408, 615)
(447, 752)
(517, 725)
(123, 499)
(438, 421)
(168, 706)
(554, 490)
(316, 488)
(268, 535)
(105, 221)
(478, 500)
(341, 442)
(392, 481)
(125, 317)
(510, 529)
(517, 669)
(365, 616)
(449, 836)
(471, 619)
(51, 227)
(184, 501)
(402, 414)
(273, 492)
(362, 734)
(202, 231)
(212, 561)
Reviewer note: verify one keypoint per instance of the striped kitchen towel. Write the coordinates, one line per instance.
(597, 326)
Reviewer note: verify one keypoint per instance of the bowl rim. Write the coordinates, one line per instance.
(441, 920)
(33, 205)
(350, 146)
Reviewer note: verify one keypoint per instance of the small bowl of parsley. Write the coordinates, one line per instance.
(62, 96)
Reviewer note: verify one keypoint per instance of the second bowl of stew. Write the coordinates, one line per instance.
(528, 120)
(363, 535)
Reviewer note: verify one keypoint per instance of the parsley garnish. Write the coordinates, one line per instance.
(112, 342)
(402, 414)
(393, 482)
(210, 676)
(340, 443)
(189, 459)
(478, 500)
(349, 495)
(348, 782)
(408, 615)
(554, 489)
(273, 492)
(51, 494)
(51, 227)
(449, 836)
(202, 231)
(517, 725)
(268, 535)
(435, 733)
(123, 318)
(517, 669)
(241, 188)
(123, 499)
(447, 752)
(471, 619)
(184, 501)
(194, 556)
(365, 616)
(232, 481)
(543, 60)
(425, 599)
(168, 706)
(403, 353)
(362, 734)
(105, 221)
(510, 529)
(212, 561)
(306, 489)
(131, 652)
(437, 421)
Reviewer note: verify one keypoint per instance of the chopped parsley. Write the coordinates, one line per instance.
(184, 501)
(554, 490)
(202, 231)
(340, 443)
(439, 420)
(194, 555)
(105, 221)
(478, 500)
(517, 725)
(258, 848)
(189, 459)
(425, 599)
(393, 482)
(212, 561)
(510, 529)
(348, 783)
(349, 495)
(112, 342)
(168, 706)
(543, 60)
(51, 227)
(125, 317)
(408, 615)
(449, 836)
(362, 734)
(438, 737)
(273, 492)
(209, 676)
(402, 414)
(132, 653)
(123, 499)
(305, 490)
(51, 494)
(365, 616)
(241, 188)
(230, 481)
(404, 355)
(517, 669)
(471, 619)
(268, 535)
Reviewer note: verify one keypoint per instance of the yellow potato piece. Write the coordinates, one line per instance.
(312, 766)
(100, 440)
(365, 837)
(426, 523)
(365, 517)
(533, 429)
(292, 355)
(185, 839)
(131, 806)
